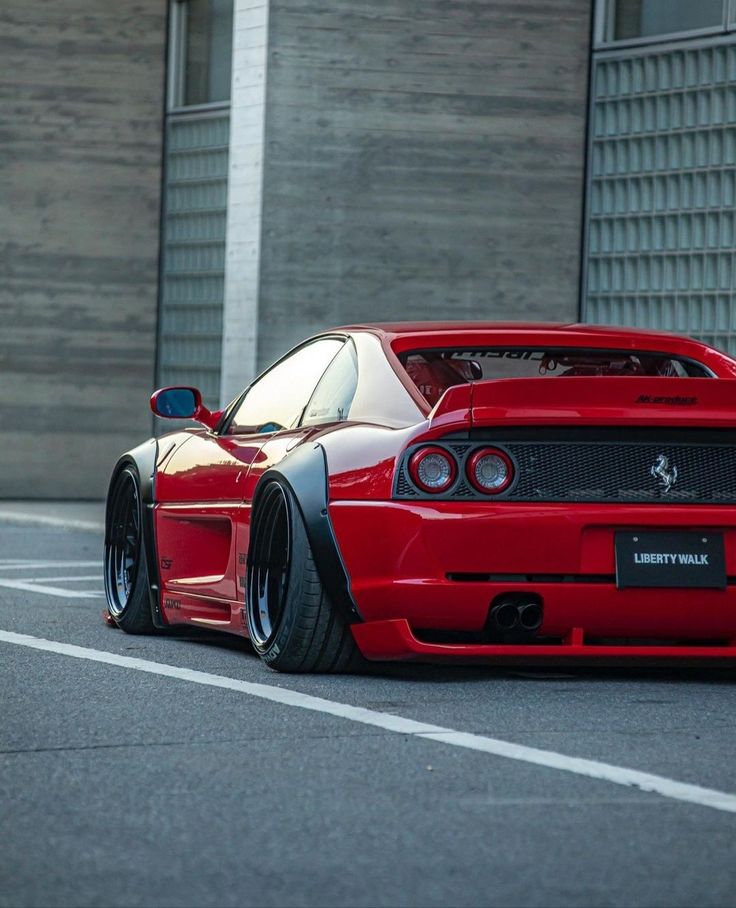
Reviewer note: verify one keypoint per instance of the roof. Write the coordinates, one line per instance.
(396, 329)
(402, 333)
(404, 336)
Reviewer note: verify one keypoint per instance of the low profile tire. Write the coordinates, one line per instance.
(293, 625)
(126, 571)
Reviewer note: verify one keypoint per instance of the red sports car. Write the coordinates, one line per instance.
(437, 491)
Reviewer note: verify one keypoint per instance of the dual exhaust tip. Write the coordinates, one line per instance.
(523, 614)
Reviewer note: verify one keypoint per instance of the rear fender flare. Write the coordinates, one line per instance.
(304, 472)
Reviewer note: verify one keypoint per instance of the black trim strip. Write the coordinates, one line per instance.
(469, 577)
(684, 435)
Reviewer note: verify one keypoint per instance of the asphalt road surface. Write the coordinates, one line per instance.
(125, 782)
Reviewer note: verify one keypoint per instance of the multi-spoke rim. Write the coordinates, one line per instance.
(124, 543)
(268, 566)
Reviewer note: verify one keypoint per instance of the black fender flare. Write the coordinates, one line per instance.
(145, 459)
(304, 472)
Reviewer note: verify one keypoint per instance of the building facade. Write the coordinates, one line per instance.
(660, 241)
(230, 176)
(375, 161)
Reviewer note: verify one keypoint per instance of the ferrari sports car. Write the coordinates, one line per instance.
(516, 493)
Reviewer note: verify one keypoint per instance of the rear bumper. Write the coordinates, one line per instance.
(438, 567)
(394, 641)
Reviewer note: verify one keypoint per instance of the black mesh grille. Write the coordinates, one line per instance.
(404, 489)
(602, 471)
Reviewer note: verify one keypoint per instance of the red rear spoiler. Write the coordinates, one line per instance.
(616, 400)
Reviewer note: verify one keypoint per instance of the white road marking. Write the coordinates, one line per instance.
(47, 520)
(17, 564)
(45, 584)
(668, 788)
(46, 590)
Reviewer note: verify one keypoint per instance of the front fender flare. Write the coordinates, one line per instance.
(144, 458)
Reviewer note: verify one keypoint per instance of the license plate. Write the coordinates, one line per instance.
(670, 560)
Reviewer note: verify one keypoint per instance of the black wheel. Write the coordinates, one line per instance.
(292, 623)
(126, 572)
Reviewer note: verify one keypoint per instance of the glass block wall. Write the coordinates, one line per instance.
(661, 212)
(193, 264)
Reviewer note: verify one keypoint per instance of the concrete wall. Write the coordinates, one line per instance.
(423, 159)
(81, 102)
(420, 159)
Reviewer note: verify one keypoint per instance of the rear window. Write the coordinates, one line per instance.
(434, 371)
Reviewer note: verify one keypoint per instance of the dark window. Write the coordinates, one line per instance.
(336, 389)
(207, 50)
(647, 18)
(434, 371)
(278, 398)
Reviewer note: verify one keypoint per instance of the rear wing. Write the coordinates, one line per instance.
(589, 400)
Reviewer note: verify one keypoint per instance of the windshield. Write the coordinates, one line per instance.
(434, 371)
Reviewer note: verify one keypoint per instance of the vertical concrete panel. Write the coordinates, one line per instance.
(424, 158)
(81, 95)
(245, 187)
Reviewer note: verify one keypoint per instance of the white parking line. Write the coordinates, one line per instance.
(45, 584)
(618, 775)
(18, 564)
(47, 520)
(45, 590)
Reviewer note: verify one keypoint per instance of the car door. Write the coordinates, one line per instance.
(206, 487)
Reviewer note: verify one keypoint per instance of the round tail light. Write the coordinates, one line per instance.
(490, 471)
(432, 469)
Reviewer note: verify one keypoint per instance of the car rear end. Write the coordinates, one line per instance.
(588, 519)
